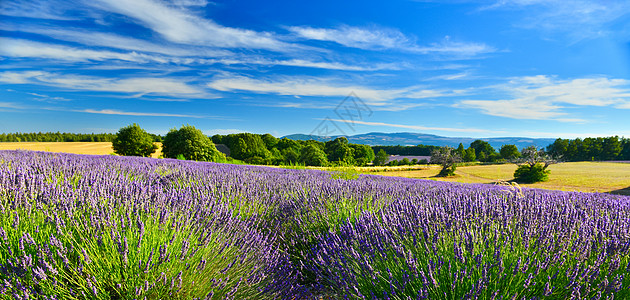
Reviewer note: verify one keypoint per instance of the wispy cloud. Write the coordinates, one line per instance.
(382, 99)
(578, 19)
(115, 41)
(23, 48)
(376, 38)
(137, 114)
(10, 105)
(546, 97)
(138, 86)
(417, 127)
(181, 26)
(39, 9)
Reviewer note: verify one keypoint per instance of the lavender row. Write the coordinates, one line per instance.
(107, 227)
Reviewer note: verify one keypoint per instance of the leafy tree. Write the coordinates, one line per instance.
(269, 140)
(611, 148)
(533, 166)
(483, 150)
(470, 155)
(247, 145)
(191, 143)
(338, 150)
(290, 155)
(312, 155)
(558, 149)
(625, 152)
(447, 157)
(509, 152)
(363, 154)
(133, 141)
(381, 158)
(460, 150)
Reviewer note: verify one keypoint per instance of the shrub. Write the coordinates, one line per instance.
(531, 173)
(191, 143)
(133, 141)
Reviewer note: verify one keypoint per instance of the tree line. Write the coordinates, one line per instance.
(63, 137)
(267, 149)
(419, 150)
(590, 149)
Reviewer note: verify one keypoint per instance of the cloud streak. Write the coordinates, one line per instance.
(547, 97)
(389, 39)
(180, 26)
(383, 99)
(578, 19)
(416, 127)
(138, 86)
(136, 114)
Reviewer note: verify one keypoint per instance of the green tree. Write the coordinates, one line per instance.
(133, 141)
(269, 140)
(509, 152)
(460, 150)
(191, 143)
(338, 150)
(611, 148)
(483, 150)
(381, 158)
(447, 157)
(558, 149)
(312, 155)
(363, 154)
(533, 166)
(470, 155)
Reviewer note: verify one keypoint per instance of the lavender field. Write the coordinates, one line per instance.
(105, 227)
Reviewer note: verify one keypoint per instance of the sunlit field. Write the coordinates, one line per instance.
(570, 176)
(109, 227)
(94, 148)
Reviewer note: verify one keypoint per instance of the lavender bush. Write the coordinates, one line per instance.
(103, 227)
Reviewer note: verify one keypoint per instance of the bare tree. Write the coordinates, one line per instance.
(447, 157)
(533, 164)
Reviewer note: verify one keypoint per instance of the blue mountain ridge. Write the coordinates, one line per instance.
(412, 139)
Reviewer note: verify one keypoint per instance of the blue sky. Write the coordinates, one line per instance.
(535, 68)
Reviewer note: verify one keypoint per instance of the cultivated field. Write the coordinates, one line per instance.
(94, 148)
(108, 227)
(571, 176)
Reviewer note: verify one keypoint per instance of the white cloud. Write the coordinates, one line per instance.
(222, 131)
(356, 37)
(110, 40)
(180, 26)
(39, 9)
(22, 48)
(545, 97)
(416, 127)
(382, 99)
(138, 86)
(389, 39)
(578, 19)
(10, 105)
(138, 114)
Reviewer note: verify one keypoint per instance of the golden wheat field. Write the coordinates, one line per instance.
(570, 176)
(93, 148)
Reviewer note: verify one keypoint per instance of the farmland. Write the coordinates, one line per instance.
(601, 177)
(94, 148)
(107, 227)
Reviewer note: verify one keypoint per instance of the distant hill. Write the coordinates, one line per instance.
(412, 139)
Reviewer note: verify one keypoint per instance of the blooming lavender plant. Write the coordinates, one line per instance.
(103, 227)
